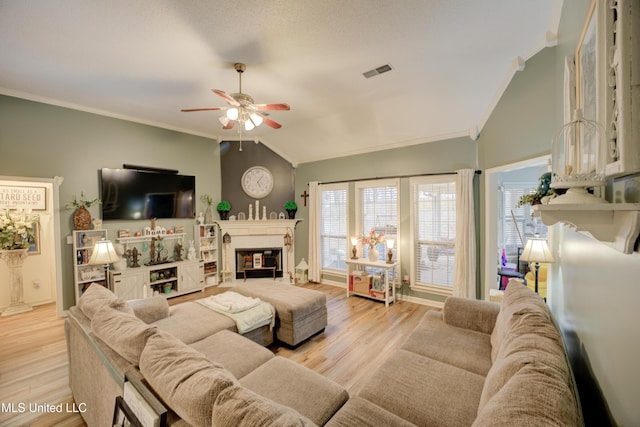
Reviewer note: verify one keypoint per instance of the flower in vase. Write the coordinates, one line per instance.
(372, 239)
(16, 228)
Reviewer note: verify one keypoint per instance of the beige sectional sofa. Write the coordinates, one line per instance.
(193, 361)
(474, 363)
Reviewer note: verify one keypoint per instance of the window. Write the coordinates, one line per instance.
(433, 221)
(333, 226)
(377, 209)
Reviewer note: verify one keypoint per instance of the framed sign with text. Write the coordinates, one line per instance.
(17, 196)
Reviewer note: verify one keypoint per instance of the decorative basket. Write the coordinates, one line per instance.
(82, 219)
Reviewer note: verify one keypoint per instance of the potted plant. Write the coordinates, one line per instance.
(291, 209)
(82, 216)
(538, 197)
(223, 209)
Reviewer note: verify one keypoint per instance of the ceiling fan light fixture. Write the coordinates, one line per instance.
(248, 125)
(224, 120)
(256, 119)
(232, 113)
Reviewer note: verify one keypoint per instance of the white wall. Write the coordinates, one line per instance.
(595, 291)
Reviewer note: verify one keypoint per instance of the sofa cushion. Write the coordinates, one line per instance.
(236, 353)
(362, 413)
(150, 310)
(466, 313)
(421, 390)
(237, 406)
(191, 322)
(117, 326)
(518, 299)
(532, 339)
(464, 348)
(534, 396)
(297, 387)
(94, 298)
(184, 378)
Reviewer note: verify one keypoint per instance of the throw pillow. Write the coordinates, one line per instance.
(183, 377)
(94, 298)
(117, 326)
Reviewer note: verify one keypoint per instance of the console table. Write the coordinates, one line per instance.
(389, 270)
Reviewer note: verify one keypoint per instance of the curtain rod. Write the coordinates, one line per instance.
(478, 172)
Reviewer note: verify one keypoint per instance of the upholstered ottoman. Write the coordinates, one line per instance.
(300, 312)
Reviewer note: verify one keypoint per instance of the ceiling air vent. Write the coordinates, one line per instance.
(382, 69)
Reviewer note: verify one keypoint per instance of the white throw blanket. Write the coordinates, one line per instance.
(232, 302)
(248, 319)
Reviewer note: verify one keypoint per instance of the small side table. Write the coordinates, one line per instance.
(390, 268)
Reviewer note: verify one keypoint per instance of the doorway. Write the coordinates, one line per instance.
(42, 272)
(494, 213)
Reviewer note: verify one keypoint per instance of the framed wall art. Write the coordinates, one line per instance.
(618, 23)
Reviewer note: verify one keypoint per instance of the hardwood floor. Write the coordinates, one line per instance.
(34, 368)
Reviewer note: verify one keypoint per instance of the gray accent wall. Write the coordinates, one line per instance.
(40, 140)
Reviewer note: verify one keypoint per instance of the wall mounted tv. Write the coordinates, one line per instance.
(129, 194)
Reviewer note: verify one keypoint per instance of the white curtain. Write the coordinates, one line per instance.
(314, 232)
(464, 276)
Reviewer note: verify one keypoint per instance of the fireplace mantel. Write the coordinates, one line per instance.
(257, 227)
(258, 234)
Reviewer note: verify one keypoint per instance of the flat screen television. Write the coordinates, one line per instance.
(129, 194)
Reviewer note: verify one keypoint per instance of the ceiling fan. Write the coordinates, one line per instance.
(242, 109)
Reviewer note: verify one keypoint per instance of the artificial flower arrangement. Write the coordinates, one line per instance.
(16, 228)
(372, 239)
(82, 202)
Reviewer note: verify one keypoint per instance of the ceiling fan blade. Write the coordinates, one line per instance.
(188, 110)
(265, 107)
(222, 94)
(229, 125)
(267, 121)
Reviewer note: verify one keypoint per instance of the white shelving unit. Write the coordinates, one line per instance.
(168, 279)
(615, 224)
(206, 241)
(83, 273)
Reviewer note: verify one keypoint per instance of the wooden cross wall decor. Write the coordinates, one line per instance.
(304, 196)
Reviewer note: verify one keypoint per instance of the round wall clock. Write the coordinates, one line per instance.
(257, 182)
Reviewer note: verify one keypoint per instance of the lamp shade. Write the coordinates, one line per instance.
(103, 253)
(536, 250)
(391, 243)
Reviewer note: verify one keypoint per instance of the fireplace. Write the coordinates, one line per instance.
(258, 262)
(264, 238)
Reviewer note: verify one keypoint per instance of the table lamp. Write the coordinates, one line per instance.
(104, 254)
(536, 250)
(354, 250)
(390, 245)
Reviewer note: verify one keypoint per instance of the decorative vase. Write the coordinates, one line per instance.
(292, 213)
(208, 215)
(223, 215)
(82, 218)
(14, 259)
(373, 254)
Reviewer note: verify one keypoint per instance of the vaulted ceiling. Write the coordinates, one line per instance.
(145, 60)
